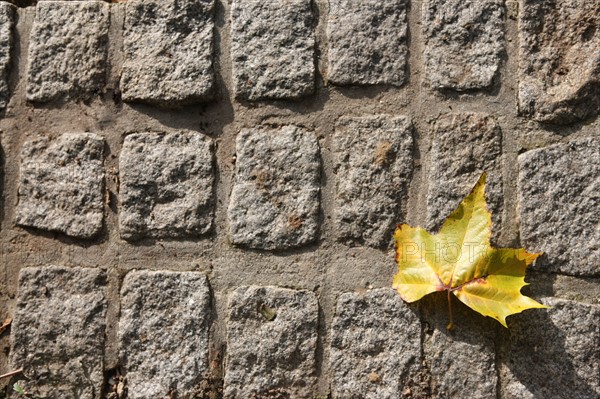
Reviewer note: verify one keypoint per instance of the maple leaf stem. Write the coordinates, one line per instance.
(450, 326)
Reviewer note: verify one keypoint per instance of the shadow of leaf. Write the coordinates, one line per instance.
(554, 353)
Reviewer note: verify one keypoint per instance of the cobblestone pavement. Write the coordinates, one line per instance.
(198, 196)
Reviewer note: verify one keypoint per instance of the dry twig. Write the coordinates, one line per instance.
(5, 325)
(19, 371)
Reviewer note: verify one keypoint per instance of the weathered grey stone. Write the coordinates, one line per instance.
(57, 334)
(553, 353)
(61, 186)
(559, 61)
(7, 15)
(374, 165)
(462, 362)
(375, 346)
(464, 42)
(464, 146)
(271, 343)
(273, 49)
(367, 42)
(166, 188)
(67, 50)
(168, 48)
(275, 198)
(559, 203)
(163, 333)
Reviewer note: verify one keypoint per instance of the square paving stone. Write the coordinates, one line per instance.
(58, 332)
(553, 353)
(464, 146)
(367, 42)
(163, 333)
(461, 362)
(559, 58)
(272, 49)
(373, 166)
(61, 185)
(375, 346)
(559, 203)
(271, 343)
(275, 198)
(464, 42)
(168, 48)
(7, 19)
(166, 185)
(68, 50)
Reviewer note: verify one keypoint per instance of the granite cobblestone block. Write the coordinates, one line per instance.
(68, 50)
(275, 198)
(464, 146)
(559, 199)
(375, 346)
(168, 46)
(368, 42)
(163, 333)
(271, 342)
(373, 165)
(7, 19)
(272, 49)
(58, 332)
(461, 362)
(554, 353)
(559, 60)
(464, 42)
(166, 185)
(61, 185)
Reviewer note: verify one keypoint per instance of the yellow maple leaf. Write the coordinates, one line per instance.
(460, 260)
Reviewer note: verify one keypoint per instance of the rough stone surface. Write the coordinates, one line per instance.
(61, 186)
(275, 199)
(367, 42)
(271, 343)
(166, 185)
(273, 49)
(163, 333)
(67, 50)
(553, 353)
(559, 60)
(464, 146)
(168, 48)
(285, 204)
(7, 15)
(464, 42)
(559, 203)
(375, 346)
(462, 362)
(374, 163)
(57, 334)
